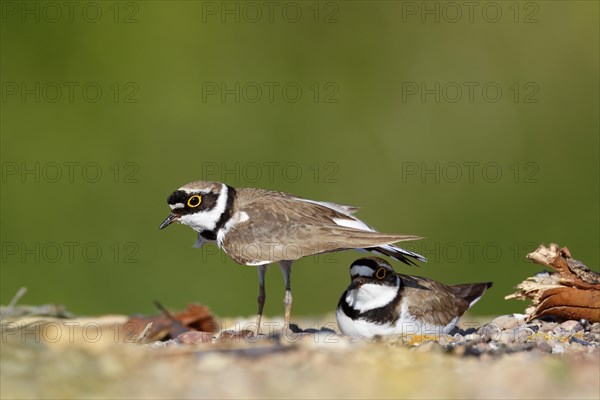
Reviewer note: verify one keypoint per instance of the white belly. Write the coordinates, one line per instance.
(405, 325)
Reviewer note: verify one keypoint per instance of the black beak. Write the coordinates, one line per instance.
(168, 221)
(355, 284)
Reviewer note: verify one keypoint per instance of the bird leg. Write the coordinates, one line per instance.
(286, 270)
(262, 296)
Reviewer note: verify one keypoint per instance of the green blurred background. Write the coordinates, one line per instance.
(362, 132)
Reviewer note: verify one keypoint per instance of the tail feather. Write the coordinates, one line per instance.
(471, 292)
(374, 242)
(397, 254)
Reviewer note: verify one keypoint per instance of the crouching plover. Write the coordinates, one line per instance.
(380, 301)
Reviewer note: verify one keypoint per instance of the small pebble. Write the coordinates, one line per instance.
(493, 345)
(458, 338)
(558, 349)
(544, 347)
(158, 345)
(592, 338)
(574, 339)
(571, 326)
(450, 347)
(430, 346)
(548, 326)
(524, 334)
(235, 336)
(506, 322)
(559, 331)
(490, 332)
(508, 336)
(473, 337)
(194, 337)
(476, 349)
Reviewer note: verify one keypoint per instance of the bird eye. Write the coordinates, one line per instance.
(194, 201)
(381, 273)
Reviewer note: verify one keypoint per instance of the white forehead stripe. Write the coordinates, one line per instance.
(176, 205)
(361, 270)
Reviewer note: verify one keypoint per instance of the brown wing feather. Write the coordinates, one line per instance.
(431, 301)
(470, 291)
(295, 229)
(251, 243)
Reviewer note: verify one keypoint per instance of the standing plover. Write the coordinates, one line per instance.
(258, 227)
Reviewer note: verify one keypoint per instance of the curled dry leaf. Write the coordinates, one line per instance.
(571, 292)
(166, 326)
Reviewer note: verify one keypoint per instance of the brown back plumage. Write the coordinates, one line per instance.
(436, 303)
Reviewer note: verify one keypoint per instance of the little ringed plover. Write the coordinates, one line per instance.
(258, 227)
(380, 301)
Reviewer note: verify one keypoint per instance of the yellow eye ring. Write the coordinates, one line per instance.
(381, 273)
(194, 201)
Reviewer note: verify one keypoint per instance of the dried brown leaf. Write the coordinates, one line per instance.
(166, 326)
(571, 292)
(569, 303)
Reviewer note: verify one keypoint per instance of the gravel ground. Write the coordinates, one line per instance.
(503, 357)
